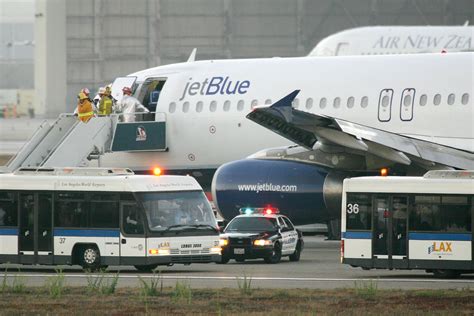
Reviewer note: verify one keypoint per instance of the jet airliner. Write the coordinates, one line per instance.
(325, 118)
(382, 40)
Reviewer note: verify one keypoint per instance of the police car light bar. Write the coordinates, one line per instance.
(259, 210)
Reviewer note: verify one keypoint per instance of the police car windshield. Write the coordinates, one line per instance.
(252, 224)
(184, 210)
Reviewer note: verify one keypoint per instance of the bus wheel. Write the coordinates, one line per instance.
(446, 274)
(146, 268)
(275, 257)
(90, 258)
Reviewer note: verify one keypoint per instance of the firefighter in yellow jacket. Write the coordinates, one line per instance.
(84, 109)
(105, 103)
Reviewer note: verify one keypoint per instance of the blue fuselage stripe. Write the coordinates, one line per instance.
(86, 233)
(357, 235)
(439, 236)
(8, 231)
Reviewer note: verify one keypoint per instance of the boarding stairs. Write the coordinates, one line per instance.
(67, 142)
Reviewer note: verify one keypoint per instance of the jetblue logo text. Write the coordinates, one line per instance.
(215, 85)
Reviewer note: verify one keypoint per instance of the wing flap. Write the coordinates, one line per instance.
(307, 129)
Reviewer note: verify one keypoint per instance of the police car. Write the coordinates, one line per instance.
(261, 233)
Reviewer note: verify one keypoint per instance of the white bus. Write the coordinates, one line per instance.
(410, 222)
(98, 217)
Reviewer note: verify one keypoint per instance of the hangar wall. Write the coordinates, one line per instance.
(110, 38)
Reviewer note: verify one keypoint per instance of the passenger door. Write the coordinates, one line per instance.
(132, 234)
(35, 240)
(286, 236)
(292, 236)
(389, 242)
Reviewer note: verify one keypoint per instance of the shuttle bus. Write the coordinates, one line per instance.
(410, 222)
(97, 217)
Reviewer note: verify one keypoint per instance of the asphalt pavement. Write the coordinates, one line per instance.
(319, 267)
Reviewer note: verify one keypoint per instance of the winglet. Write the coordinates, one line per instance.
(192, 57)
(286, 101)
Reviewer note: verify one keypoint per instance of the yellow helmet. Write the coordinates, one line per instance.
(82, 96)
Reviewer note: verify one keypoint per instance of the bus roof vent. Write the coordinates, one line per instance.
(449, 174)
(75, 171)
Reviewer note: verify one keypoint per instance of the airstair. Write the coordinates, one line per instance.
(67, 142)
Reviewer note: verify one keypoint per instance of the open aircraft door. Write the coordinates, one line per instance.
(120, 83)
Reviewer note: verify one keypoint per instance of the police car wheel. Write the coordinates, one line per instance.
(275, 257)
(296, 255)
(224, 260)
(146, 267)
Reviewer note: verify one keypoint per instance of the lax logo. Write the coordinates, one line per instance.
(141, 134)
(440, 248)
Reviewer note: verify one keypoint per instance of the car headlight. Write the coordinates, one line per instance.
(223, 242)
(262, 242)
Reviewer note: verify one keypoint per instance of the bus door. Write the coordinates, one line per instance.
(132, 234)
(36, 238)
(390, 232)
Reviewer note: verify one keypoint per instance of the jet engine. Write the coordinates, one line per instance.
(306, 193)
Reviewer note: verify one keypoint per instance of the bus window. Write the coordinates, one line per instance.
(445, 214)
(104, 211)
(358, 209)
(70, 210)
(8, 209)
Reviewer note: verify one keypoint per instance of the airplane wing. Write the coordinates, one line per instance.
(311, 131)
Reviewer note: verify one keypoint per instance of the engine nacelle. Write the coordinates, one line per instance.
(305, 193)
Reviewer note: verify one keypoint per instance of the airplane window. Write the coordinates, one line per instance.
(172, 107)
(423, 99)
(451, 99)
(337, 102)
(185, 107)
(407, 100)
(309, 103)
(296, 103)
(268, 101)
(465, 98)
(254, 103)
(350, 102)
(227, 106)
(199, 106)
(385, 100)
(213, 106)
(240, 105)
(322, 103)
(437, 99)
(364, 102)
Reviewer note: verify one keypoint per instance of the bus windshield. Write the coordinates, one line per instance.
(177, 210)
